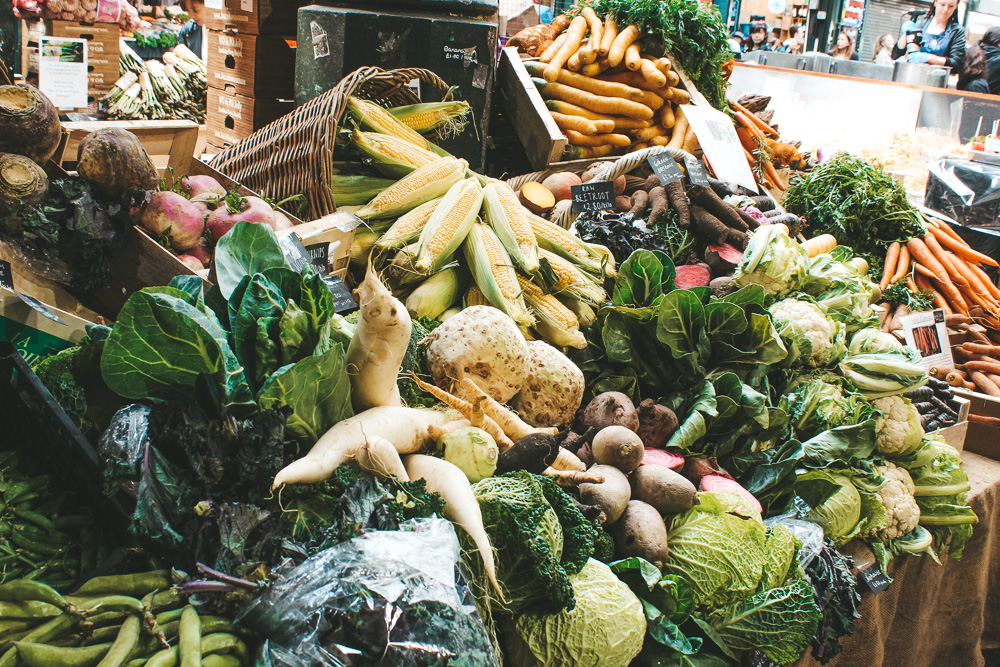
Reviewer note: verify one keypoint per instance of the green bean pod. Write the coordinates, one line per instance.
(189, 638)
(107, 633)
(28, 609)
(223, 642)
(107, 603)
(124, 645)
(43, 655)
(169, 616)
(37, 518)
(166, 601)
(40, 635)
(23, 590)
(135, 585)
(221, 660)
(165, 658)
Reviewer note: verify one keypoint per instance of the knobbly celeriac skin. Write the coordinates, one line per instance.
(553, 390)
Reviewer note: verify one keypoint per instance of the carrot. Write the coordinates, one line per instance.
(922, 270)
(985, 279)
(978, 348)
(595, 86)
(634, 79)
(961, 248)
(595, 68)
(596, 29)
(574, 35)
(550, 53)
(746, 139)
(576, 61)
(680, 130)
(985, 420)
(648, 133)
(581, 125)
(578, 139)
(984, 366)
(651, 74)
(954, 379)
(607, 37)
(957, 320)
(979, 337)
(751, 128)
(633, 58)
(664, 65)
(941, 302)
(639, 146)
(690, 144)
(902, 266)
(667, 118)
(761, 125)
(975, 282)
(910, 285)
(987, 385)
(652, 100)
(600, 104)
(891, 259)
(659, 141)
(886, 318)
(773, 175)
(680, 96)
(617, 51)
(945, 258)
(918, 250)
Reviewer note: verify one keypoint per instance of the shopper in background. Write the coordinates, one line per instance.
(191, 32)
(981, 67)
(942, 38)
(796, 40)
(736, 42)
(758, 38)
(844, 48)
(883, 50)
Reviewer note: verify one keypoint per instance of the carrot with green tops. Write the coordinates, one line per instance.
(622, 41)
(752, 117)
(902, 266)
(961, 248)
(889, 270)
(919, 251)
(751, 128)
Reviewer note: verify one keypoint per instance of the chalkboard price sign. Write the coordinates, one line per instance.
(696, 173)
(875, 579)
(343, 302)
(665, 167)
(593, 196)
(6, 275)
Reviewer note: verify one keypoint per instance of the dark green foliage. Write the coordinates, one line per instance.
(899, 294)
(831, 574)
(859, 203)
(415, 360)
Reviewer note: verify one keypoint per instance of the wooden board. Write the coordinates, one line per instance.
(981, 439)
(169, 143)
(524, 106)
(955, 434)
(249, 65)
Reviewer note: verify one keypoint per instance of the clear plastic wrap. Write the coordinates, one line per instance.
(808, 533)
(968, 192)
(384, 598)
(121, 444)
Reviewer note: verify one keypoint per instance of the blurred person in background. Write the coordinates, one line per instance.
(981, 68)
(844, 48)
(736, 42)
(883, 50)
(943, 40)
(191, 32)
(758, 38)
(796, 40)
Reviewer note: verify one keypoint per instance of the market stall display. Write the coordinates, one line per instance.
(151, 89)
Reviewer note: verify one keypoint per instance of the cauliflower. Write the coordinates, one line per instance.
(772, 260)
(901, 509)
(897, 428)
(873, 341)
(807, 332)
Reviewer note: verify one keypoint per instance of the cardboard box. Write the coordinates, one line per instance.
(103, 51)
(516, 16)
(231, 118)
(981, 439)
(335, 41)
(253, 17)
(250, 65)
(34, 334)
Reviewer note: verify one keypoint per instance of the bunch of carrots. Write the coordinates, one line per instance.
(753, 134)
(604, 93)
(943, 265)
(977, 363)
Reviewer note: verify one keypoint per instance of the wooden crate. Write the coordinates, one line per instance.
(523, 104)
(955, 434)
(250, 65)
(103, 50)
(254, 17)
(231, 118)
(981, 439)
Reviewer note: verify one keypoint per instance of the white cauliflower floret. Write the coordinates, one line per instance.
(885, 341)
(897, 428)
(873, 341)
(901, 508)
(811, 321)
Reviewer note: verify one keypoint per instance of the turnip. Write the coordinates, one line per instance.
(553, 390)
(656, 423)
(191, 262)
(473, 450)
(170, 214)
(612, 495)
(483, 344)
(235, 209)
(408, 429)
(664, 489)
(282, 221)
(609, 409)
(617, 446)
(197, 184)
(376, 350)
(380, 458)
(201, 252)
(640, 532)
(460, 504)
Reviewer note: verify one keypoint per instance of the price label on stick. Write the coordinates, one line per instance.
(343, 302)
(319, 254)
(696, 173)
(665, 167)
(874, 578)
(593, 196)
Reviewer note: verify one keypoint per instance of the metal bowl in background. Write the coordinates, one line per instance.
(919, 74)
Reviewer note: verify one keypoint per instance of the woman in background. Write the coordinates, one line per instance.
(981, 67)
(844, 48)
(191, 32)
(757, 41)
(942, 38)
(883, 50)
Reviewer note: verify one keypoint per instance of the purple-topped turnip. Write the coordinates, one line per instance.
(234, 209)
(170, 214)
(191, 262)
(198, 184)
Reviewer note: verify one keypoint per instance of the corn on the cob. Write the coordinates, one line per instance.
(435, 295)
(373, 117)
(400, 274)
(430, 116)
(494, 273)
(451, 312)
(408, 226)
(356, 190)
(391, 155)
(571, 281)
(449, 225)
(555, 322)
(584, 313)
(362, 246)
(475, 297)
(555, 239)
(509, 220)
(426, 183)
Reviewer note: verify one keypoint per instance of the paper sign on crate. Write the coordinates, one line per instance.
(62, 71)
(927, 333)
(721, 146)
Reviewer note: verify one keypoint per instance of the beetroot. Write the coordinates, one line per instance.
(168, 213)
(656, 423)
(722, 259)
(191, 262)
(198, 184)
(727, 485)
(660, 457)
(692, 275)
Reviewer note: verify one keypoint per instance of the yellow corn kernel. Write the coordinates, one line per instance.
(449, 224)
(474, 297)
(494, 273)
(428, 182)
(555, 239)
(376, 118)
(408, 226)
(430, 116)
(435, 295)
(571, 281)
(555, 322)
(390, 147)
(509, 220)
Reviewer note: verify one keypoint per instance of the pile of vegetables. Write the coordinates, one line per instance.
(88, 11)
(175, 88)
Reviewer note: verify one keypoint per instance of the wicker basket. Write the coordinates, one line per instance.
(294, 154)
(614, 169)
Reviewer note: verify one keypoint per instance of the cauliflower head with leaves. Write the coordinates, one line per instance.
(873, 341)
(901, 509)
(772, 260)
(897, 428)
(812, 338)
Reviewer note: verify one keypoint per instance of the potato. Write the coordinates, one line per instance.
(619, 184)
(664, 489)
(641, 532)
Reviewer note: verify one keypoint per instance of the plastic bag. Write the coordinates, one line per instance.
(121, 445)
(808, 533)
(968, 192)
(384, 598)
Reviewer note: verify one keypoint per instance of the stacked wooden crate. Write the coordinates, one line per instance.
(251, 66)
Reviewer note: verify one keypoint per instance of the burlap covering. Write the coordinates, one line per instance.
(937, 615)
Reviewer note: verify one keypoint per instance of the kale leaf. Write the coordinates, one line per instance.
(830, 573)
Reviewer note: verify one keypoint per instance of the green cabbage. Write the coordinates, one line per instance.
(605, 629)
(773, 260)
(838, 516)
(818, 401)
(941, 490)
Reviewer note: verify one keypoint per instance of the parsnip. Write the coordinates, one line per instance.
(376, 351)
(460, 504)
(408, 429)
(381, 459)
